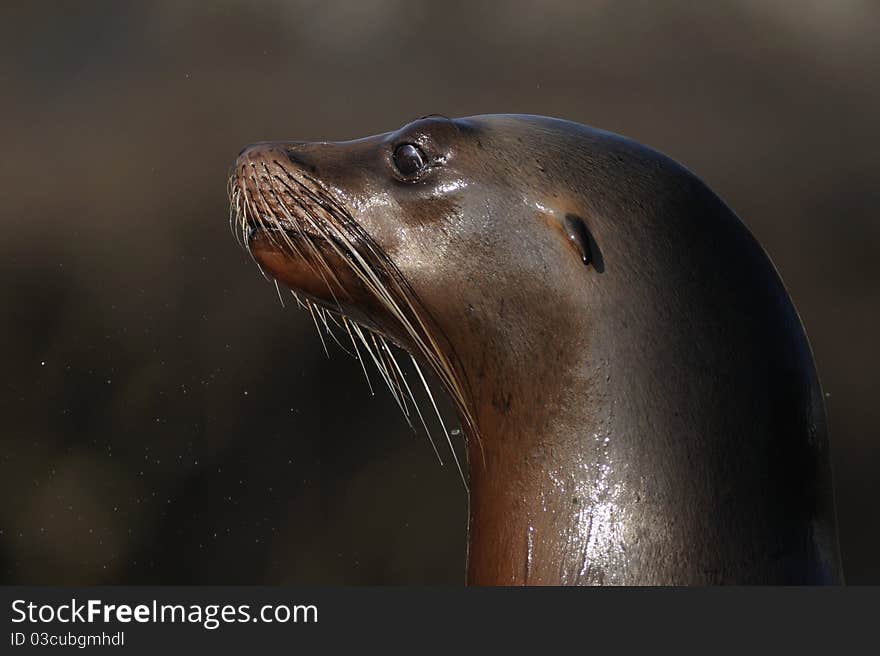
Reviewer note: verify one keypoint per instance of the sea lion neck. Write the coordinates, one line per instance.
(533, 467)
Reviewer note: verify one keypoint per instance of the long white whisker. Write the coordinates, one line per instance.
(391, 379)
(416, 406)
(379, 365)
(440, 418)
(278, 289)
(255, 215)
(323, 314)
(298, 301)
(389, 358)
(318, 328)
(360, 359)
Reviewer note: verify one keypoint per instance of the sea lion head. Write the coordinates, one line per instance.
(640, 391)
(432, 235)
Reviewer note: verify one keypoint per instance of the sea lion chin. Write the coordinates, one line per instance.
(637, 392)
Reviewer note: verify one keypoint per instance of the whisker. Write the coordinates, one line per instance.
(386, 353)
(379, 365)
(278, 289)
(314, 249)
(323, 343)
(298, 301)
(416, 406)
(440, 418)
(395, 389)
(323, 314)
(360, 359)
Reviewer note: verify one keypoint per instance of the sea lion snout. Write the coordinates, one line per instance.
(257, 152)
(300, 231)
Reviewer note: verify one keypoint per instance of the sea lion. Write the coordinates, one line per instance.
(637, 392)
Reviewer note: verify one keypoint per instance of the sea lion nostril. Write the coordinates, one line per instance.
(296, 158)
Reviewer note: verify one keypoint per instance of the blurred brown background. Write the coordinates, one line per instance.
(165, 420)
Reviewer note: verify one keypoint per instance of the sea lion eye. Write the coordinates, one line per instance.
(409, 160)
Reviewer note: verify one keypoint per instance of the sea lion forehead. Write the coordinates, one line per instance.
(434, 131)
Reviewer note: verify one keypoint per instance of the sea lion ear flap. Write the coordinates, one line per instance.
(582, 240)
